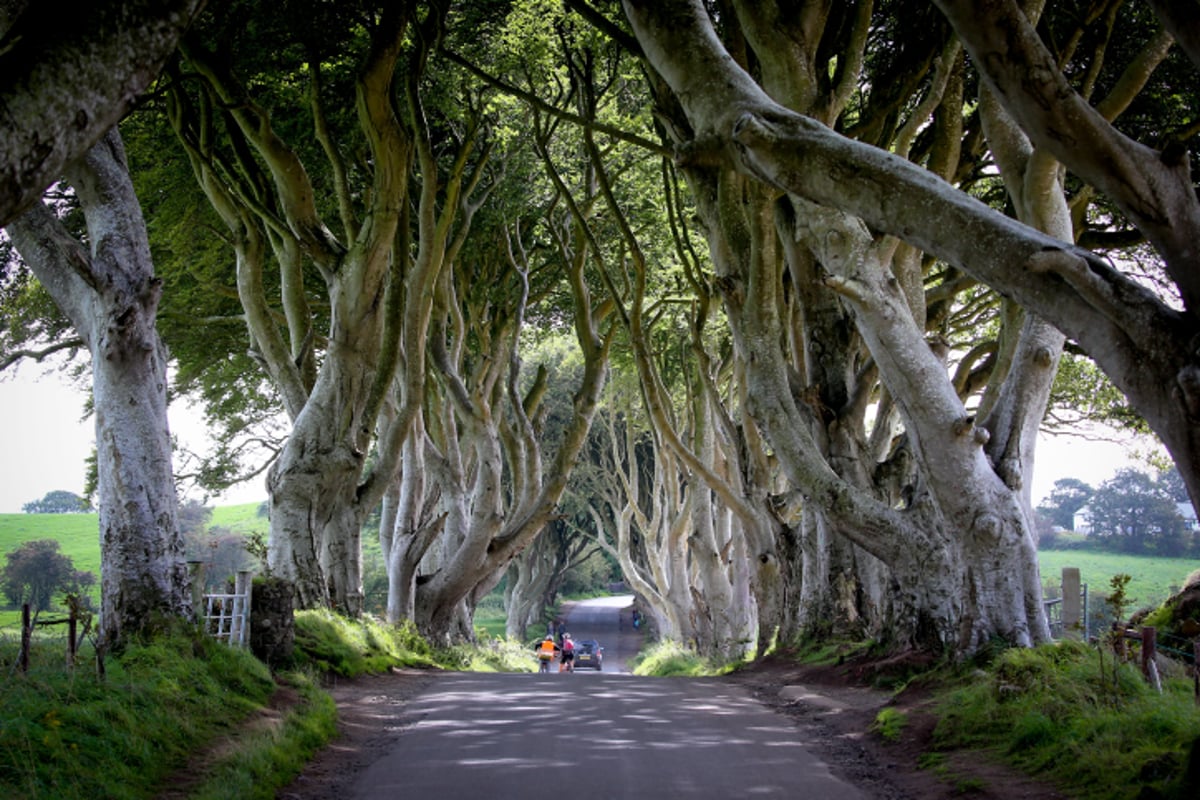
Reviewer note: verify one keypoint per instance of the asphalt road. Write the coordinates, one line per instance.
(594, 735)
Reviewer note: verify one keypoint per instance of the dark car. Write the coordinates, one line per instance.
(589, 654)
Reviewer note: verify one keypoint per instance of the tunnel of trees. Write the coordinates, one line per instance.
(767, 301)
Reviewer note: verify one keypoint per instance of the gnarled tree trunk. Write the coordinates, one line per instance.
(110, 294)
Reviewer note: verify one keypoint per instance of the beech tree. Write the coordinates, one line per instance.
(107, 288)
(69, 73)
(382, 330)
(822, 206)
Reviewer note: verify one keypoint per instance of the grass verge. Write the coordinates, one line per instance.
(1066, 713)
(667, 658)
(139, 731)
(272, 754)
(71, 735)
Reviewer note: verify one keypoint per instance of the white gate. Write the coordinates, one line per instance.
(227, 616)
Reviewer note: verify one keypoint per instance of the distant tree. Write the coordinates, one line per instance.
(1172, 483)
(1047, 529)
(225, 557)
(194, 517)
(58, 502)
(1068, 496)
(35, 571)
(1136, 513)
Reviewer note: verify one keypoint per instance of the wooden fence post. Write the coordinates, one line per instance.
(1149, 656)
(72, 623)
(196, 582)
(1196, 668)
(239, 635)
(26, 638)
(1071, 596)
(1149, 640)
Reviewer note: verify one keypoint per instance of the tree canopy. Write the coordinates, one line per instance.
(58, 502)
(828, 257)
(36, 571)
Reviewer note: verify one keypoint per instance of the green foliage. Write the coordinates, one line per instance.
(889, 723)
(69, 735)
(1051, 712)
(666, 658)
(495, 655)
(1068, 496)
(591, 576)
(1135, 513)
(1082, 394)
(35, 571)
(345, 647)
(58, 502)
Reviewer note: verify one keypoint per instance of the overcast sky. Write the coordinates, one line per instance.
(45, 444)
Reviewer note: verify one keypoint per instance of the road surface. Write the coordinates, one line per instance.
(593, 735)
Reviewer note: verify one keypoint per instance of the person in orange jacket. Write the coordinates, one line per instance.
(545, 653)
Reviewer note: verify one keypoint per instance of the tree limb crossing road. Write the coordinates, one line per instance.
(586, 735)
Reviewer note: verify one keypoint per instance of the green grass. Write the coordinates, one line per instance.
(339, 646)
(666, 658)
(1051, 712)
(889, 723)
(242, 519)
(490, 620)
(262, 764)
(1153, 577)
(70, 735)
(78, 535)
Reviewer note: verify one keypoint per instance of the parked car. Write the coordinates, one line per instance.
(589, 654)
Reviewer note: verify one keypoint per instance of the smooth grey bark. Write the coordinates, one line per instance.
(110, 294)
(1140, 343)
(68, 73)
(941, 547)
(319, 486)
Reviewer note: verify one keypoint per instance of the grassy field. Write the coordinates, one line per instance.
(240, 519)
(78, 536)
(1153, 579)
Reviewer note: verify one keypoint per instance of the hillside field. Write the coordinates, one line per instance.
(78, 536)
(1153, 578)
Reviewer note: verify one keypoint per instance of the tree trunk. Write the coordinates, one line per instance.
(111, 296)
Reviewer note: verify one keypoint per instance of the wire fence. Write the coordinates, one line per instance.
(224, 615)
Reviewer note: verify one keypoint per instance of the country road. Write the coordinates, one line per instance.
(585, 736)
(594, 736)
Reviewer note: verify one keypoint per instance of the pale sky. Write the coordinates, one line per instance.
(45, 444)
